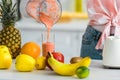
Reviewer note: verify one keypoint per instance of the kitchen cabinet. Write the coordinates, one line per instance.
(67, 35)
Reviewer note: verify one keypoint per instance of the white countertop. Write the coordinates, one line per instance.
(97, 72)
(74, 25)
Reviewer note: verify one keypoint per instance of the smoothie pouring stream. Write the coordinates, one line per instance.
(49, 14)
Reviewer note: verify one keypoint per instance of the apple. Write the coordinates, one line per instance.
(58, 56)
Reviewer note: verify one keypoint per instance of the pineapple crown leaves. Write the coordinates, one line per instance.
(8, 12)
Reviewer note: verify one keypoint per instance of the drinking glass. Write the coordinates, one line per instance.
(48, 46)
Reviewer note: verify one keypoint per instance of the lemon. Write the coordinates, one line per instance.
(40, 63)
(24, 63)
(5, 57)
(4, 48)
(82, 72)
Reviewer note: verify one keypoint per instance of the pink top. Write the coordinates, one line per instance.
(104, 15)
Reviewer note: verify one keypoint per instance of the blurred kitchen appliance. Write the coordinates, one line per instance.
(111, 52)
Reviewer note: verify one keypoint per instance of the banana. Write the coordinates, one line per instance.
(67, 69)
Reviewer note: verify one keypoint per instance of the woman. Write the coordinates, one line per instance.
(104, 21)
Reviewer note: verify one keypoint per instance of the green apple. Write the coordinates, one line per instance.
(24, 63)
(5, 57)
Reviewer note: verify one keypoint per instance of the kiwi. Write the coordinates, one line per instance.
(75, 59)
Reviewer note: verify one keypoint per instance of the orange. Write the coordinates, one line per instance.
(32, 49)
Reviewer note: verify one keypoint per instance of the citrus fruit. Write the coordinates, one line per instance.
(4, 48)
(32, 49)
(82, 72)
(24, 63)
(5, 57)
(40, 63)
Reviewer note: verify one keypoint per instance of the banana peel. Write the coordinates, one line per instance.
(67, 69)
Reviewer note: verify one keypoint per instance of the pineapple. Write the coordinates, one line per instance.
(9, 35)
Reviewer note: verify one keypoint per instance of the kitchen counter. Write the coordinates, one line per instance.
(97, 72)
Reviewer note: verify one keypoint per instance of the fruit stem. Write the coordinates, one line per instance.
(49, 54)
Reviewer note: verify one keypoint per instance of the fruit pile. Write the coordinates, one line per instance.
(30, 59)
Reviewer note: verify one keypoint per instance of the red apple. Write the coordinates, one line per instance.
(58, 56)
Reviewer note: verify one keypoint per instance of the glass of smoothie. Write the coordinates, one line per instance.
(49, 14)
(48, 45)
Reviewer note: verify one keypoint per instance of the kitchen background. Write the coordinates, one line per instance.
(70, 5)
(68, 31)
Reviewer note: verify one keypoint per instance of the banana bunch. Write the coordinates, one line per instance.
(67, 69)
